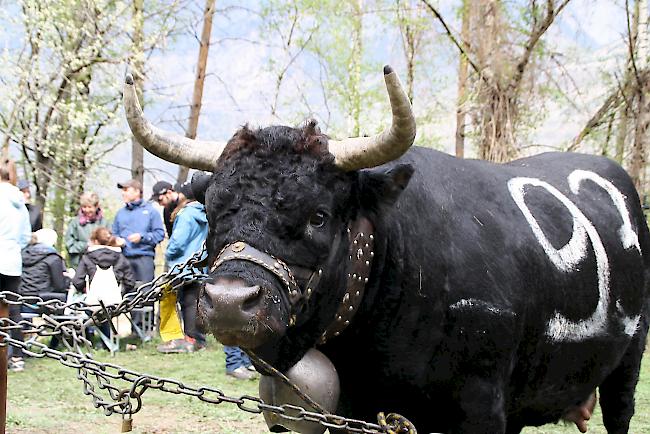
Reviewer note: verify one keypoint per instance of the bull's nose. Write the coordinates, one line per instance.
(243, 298)
(229, 304)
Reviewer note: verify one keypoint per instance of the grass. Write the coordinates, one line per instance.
(48, 398)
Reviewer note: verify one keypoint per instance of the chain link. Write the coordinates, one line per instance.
(97, 376)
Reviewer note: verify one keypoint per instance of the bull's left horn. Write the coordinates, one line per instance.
(197, 154)
(360, 152)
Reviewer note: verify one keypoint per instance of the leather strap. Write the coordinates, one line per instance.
(361, 239)
(242, 251)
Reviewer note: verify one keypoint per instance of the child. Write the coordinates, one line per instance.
(103, 253)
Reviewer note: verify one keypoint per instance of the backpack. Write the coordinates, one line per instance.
(104, 287)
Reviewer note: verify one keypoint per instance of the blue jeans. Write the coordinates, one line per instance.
(235, 358)
(143, 268)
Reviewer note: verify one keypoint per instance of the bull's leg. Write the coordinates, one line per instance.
(482, 407)
(617, 391)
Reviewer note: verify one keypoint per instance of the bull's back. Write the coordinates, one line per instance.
(543, 261)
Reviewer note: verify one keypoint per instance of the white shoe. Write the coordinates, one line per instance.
(242, 373)
(16, 364)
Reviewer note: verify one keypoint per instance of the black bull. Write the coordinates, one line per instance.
(500, 296)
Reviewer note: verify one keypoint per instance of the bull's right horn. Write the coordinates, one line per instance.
(360, 152)
(197, 154)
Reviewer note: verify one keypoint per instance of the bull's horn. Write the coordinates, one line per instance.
(359, 152)
(197, 154)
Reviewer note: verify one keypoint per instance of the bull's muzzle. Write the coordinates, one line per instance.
(235, 312)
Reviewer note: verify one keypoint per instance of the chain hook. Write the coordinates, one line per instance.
(395, 424)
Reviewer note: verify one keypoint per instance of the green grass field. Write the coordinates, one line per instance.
(48, 398)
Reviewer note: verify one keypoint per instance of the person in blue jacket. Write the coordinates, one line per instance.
(138, 228)
(190, 228)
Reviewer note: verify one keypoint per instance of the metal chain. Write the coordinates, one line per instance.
(96, 376)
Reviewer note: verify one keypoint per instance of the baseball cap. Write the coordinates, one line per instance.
(130, 183)
(186, 189)
(22, 184)
(160, 187)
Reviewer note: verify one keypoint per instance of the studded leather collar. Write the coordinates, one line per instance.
(360, 257)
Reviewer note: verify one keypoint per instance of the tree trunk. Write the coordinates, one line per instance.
(461, 107)
(641, 121)
(641, 97)
(355, 66)
(137, 66)
(197, 95)
(407, 20)
(497, 113)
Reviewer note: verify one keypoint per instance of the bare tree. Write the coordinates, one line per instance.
(461, 102)
(197, 95)
(501, 70)
(628, 100)
(640, 97)
(409, 20)
(137, 67)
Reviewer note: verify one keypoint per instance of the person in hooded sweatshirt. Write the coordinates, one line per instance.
(104, 253)
(190, 228)
(15, 233)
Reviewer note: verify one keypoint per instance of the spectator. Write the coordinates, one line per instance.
(138, 229)
(15, 233)
(164, 194)
(103, 253)
(190, 228)
(35, 212)
(44, 273)
(238, 364)
(90, 216)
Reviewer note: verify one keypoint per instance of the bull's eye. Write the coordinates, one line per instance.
(318, 219)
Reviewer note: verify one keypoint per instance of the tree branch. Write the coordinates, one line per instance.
(460, 45)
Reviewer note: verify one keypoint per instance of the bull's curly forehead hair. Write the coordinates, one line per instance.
(306, 139)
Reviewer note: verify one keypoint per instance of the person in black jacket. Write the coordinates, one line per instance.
(44, 273)
(35, 212)
(104, 253)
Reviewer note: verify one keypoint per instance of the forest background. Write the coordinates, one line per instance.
(489, 79)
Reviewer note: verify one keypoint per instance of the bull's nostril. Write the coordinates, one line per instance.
(252, 299)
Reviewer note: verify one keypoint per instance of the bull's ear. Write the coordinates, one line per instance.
(200, 182)
(381, 188)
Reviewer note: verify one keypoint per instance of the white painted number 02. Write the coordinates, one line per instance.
(560, 328)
